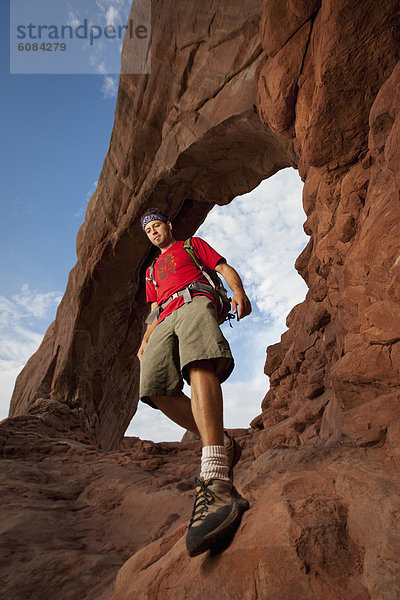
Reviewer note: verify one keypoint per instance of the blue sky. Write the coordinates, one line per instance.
(55, 132)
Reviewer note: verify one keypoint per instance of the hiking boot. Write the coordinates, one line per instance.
(233, 453)
(217, 510)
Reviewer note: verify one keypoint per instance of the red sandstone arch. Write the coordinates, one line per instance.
(225, 107)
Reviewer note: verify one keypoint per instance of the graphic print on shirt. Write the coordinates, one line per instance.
(166, 265)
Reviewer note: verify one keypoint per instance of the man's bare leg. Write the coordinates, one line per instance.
(207, 407)
(216, 496)
(203, 414)
(178, 409)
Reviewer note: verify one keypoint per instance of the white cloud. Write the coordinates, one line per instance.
(81, 211)
(30, 303)
(8, 373)
(261, 234)
(110, 87)
(103, 54)
(112, 16)
(110, 11)
(23, 320)
(105, 5)
(242, 400)
(100, 67)
(73, 19)
(150, 424)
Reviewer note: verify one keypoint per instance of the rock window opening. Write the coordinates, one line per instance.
(261, 234)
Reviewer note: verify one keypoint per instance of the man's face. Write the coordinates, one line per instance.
(159, 233)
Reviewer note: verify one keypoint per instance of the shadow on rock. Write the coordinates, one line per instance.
(212, 558)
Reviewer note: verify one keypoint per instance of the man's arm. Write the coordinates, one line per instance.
(147, 333)
(240, 302)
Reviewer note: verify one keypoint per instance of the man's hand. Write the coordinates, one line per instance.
(241, 305)
(141, 349)
(148, 332)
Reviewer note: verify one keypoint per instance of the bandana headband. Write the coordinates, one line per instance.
(153, 217)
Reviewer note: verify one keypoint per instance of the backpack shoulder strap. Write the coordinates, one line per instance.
(150, 278)
(188, 246)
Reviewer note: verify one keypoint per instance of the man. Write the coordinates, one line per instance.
(185, 341)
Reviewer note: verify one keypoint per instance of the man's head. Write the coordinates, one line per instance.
(158, 228)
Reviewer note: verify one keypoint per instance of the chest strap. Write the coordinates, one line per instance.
(196, 286)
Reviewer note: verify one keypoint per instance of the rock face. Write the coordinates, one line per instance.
(238, 90)
(341, 350)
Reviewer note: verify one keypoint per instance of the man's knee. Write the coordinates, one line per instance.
(198, 366)
(161, 401)
(150, 400)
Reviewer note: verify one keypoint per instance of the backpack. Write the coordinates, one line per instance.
(214, 287)
(218, 291)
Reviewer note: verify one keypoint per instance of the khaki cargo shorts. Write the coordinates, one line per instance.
(188, 334)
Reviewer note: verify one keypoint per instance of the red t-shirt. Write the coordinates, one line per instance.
(174, 270)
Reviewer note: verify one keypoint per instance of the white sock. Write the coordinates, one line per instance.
(214, 463)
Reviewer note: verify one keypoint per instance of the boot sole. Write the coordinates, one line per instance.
(223, 530)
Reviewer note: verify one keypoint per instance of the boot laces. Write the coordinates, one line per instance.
(204, 497)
